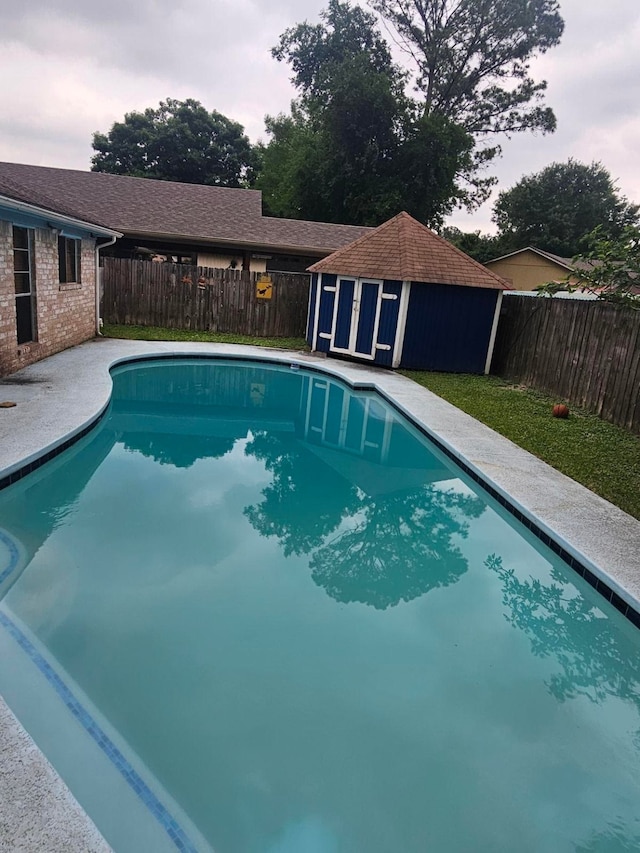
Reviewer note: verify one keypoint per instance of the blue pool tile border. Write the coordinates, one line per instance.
(14, 556)
(170, 825)
(626, 609)
(19, 473)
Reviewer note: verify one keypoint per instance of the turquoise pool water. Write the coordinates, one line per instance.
(285, 622)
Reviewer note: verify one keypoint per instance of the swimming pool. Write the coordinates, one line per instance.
(344, 677)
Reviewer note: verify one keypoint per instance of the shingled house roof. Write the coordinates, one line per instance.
(569, 264)
(141, 207)
(403, 249)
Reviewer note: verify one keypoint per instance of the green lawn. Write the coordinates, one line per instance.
(601, 456)
(155, 333)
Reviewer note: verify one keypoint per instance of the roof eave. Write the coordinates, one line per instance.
(320, 251)
(63, 219)
(392, 276)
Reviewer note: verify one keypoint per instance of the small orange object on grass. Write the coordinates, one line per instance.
(560, 411)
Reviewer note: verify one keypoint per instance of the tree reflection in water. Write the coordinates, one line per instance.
(396, 547)
(613, 840)
(306, 499)
(596, 660)
(377, 550)
(179, 451)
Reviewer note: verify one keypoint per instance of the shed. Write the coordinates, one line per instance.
(401, 296)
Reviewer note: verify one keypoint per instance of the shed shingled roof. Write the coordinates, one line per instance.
(169, 209)
(403, 249)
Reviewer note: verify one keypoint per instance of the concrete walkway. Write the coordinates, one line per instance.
(60, 396)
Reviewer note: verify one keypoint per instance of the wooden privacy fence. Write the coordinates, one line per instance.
(179, 296)
(583, 351)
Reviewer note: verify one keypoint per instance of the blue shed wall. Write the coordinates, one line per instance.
(313, 296)
(325, 317)
(388, 325)
(448, 328)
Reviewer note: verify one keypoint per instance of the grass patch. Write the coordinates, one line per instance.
(603, 457)
(155, 333)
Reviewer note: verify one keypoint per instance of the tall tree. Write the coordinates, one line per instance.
(354, 148)
(469, 53)
(557, 209)
(178, 141)
(480, 247)
(471, 61)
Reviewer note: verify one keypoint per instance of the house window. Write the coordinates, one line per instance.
(24, 282)
(69, 259)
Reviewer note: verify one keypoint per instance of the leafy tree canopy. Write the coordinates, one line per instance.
(354, 148)
(471, 59)
(178, 141)
(480, 247)
(557, 209)
(317, 52)
(372, 150)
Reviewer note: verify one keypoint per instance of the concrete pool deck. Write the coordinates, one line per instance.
(60, 396)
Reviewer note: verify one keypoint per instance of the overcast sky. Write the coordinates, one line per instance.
(71, 67)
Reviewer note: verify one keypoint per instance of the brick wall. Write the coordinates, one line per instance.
(65, 313)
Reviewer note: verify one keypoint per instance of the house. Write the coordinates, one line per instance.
(529, 268)
(401, 296)
(48, 274)
(190, 223)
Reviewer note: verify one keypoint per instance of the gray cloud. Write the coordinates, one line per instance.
(592, 87)
(76, 67)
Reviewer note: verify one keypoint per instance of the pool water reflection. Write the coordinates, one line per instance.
(314, 633)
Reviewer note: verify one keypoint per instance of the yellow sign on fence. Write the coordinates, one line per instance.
(264, 286)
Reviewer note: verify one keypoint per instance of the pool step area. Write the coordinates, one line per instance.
(108, 780)
(12, 559)
(44, 814)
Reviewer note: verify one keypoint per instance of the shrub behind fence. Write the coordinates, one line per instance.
(583, 351)
(180, 296)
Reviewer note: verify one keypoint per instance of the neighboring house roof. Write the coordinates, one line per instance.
(142, 207)
(404, 249)
(566, 263)
(324, 237)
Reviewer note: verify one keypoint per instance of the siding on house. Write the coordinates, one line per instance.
(526, 270)
(226, 262)
(64, 313)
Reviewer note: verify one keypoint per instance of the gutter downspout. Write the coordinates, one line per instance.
(98, 247)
